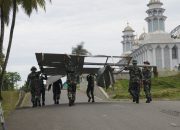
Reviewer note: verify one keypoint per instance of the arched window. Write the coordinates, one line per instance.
(150, 25)
(175, 52)
(161, 24)
(155, 24)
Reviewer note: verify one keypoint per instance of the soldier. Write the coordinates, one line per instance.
(135, 81)
(57, 86)
(34, 85)
(43, 88)
(90, 87)
(146, 72)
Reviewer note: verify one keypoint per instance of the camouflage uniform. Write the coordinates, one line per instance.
(34, 85)
(146, 71)
(90, 87)
(135, 81)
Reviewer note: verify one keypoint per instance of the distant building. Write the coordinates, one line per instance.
(156, 46)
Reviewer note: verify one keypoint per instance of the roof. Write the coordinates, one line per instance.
(128, 28)
(142, 36)
(154, 1)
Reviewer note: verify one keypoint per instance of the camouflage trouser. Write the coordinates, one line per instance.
(147, 89)
(33, 96)
(134, 89)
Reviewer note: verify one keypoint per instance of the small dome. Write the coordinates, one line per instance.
(154, 1)
(128, 28)
(142, 36)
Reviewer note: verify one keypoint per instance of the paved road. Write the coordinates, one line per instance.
(101, 115)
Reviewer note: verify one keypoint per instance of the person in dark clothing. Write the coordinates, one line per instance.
(43, 88)
(90, 87)
(34, 85)
(57, 86)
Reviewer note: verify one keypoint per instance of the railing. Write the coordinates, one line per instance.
(175, 33)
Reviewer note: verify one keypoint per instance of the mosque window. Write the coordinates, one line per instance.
(175, 52)
(150, 26)
(161, 24)
(155, 12)
(155, 24)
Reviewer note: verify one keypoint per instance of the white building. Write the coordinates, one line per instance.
(156, 46)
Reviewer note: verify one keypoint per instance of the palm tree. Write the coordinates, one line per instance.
(28, 6)
(79, 50)
(5, 6)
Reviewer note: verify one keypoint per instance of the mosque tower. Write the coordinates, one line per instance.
(128, 39)
(155, 19)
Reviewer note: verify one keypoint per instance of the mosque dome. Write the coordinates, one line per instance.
(154, 1)
(142, 36)
(128, 29)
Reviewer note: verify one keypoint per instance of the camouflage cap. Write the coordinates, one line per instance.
(134, 62)
(146, 62)
(33, 68)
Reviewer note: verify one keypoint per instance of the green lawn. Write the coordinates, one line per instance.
(162, 88)
(10, 99)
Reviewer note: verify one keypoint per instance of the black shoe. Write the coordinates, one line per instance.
(137, 100)
(93, 101)
(150, 99)
(57, 102)
(39, 103)
(43, 104)
(147, 101)
(134, 100)
(89, 99)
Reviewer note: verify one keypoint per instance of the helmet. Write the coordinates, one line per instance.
(134, 62)
(146, 62)
(33, 68)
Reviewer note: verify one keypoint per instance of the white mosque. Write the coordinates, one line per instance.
(156, 46)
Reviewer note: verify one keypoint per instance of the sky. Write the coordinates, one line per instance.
(66, 23)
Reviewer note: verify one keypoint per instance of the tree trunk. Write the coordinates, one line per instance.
(2, 32)
(9, 46)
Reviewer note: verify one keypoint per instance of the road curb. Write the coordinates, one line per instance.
(104, 92)
(25, 99)
(21, 97)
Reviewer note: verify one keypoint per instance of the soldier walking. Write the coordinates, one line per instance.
(34, 85)
(43, 88)
(135, 80)
(90, 87)
(146, 72)
(57, 86)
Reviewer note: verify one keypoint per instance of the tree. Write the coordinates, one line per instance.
(5, 7)
(10, 80)
(79, 50)
(28, 6)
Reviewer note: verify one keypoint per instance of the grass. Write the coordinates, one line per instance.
(162, 88)
(10, 99)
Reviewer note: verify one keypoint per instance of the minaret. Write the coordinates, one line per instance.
(155, 19)
(128, 38)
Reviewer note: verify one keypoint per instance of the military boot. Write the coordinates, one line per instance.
(89, 99)
(137, 100)
(148, 100)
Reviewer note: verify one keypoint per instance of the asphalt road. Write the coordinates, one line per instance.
(101, 115)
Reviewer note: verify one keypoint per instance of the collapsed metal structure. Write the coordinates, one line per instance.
(56, 64)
